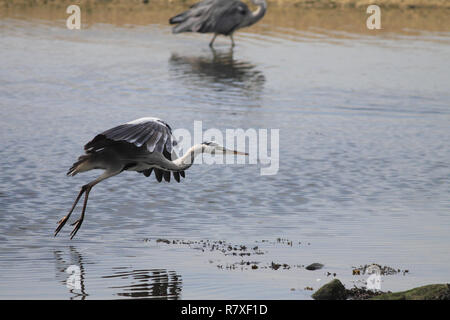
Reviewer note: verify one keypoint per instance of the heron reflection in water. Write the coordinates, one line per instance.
(71, 273)
(151, 283)
(125, 282)
(219, 71)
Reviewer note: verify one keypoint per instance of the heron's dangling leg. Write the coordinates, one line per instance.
(212, 40)
(78, 223)
(232, 40)
(86, 188)
(63, 221)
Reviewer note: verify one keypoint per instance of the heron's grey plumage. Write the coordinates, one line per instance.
(153, 132)
(218, 17)
(134, 140)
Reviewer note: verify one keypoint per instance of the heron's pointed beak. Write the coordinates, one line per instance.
(226, 151)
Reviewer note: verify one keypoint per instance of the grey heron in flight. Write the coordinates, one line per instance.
(143, 145)
(218, 17)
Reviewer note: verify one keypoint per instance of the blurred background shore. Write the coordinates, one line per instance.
(398, 16)
(299, 3)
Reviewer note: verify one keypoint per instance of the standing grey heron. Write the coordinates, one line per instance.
(218, 17)
(143, 145)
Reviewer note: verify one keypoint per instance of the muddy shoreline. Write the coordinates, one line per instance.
(335, 290)
(260, 256)
(251, 258)
(404, 4)
(286, 21)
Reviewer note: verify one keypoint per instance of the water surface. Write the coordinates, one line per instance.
(364, 159)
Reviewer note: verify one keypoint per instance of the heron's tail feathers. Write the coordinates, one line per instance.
(83, 164)
(178, 18)
(174, 20)
(180, 25)
(187, 21)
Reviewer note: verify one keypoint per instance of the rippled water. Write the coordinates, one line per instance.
(364, 160)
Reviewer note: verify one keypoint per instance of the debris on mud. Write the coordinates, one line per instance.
(377, 268)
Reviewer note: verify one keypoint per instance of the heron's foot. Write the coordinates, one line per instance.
(232, 41)
(212, 40)
(77, 225)
(61, 224)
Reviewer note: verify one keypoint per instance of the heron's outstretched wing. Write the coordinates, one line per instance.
(217, 16)
(153, 133)
(160, 174)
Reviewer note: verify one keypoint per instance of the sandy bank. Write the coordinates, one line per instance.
(408, 4)
(284, 21)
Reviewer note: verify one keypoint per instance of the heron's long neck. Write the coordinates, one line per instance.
(258, 13)
(186, 160)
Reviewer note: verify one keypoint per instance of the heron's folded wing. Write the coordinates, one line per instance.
(218, 16)
(223, 17)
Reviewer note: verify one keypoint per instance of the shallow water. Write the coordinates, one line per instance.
(364, 160)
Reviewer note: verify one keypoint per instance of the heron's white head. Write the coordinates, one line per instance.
(212, 148)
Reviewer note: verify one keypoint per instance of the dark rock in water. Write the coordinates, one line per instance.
(429, 292)
(163, 240)
(333, 290)
(314, 266)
